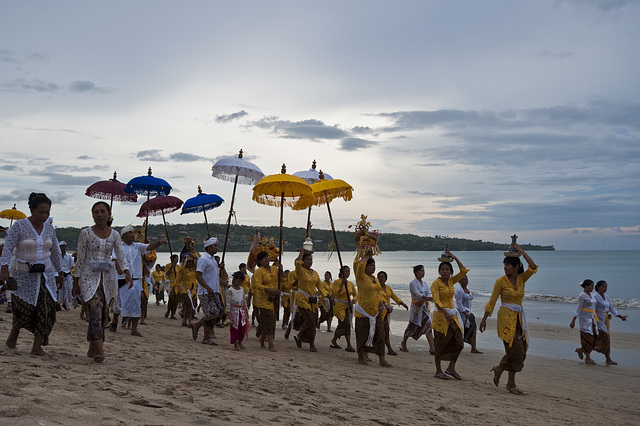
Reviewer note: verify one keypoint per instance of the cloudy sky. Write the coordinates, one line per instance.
(474, 119)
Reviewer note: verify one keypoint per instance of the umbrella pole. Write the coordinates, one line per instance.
(308, 223)
(226, 236)
(335, 239)
(166, 232)
(146, 228)
(207, 224)
(280, 254)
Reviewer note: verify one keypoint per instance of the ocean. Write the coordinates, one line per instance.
(551, 294)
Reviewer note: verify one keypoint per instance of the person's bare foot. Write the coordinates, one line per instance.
(515, 391)
(403, 348)
(362, 362)
(385, 364)
(497, 372)
(241, 346)
(272, 349)
(589, 361)
(38, 352)
(475, 351)
(611, 362)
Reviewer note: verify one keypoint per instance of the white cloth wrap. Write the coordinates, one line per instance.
(518, 308)
(372, 324)
(457, 314)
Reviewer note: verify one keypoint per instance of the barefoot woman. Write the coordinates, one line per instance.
(512, 324)
(94, 274)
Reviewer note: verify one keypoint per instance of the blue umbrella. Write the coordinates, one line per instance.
(148, 185)
(201, 203)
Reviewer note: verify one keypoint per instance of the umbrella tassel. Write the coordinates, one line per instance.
(308, 223)
(166, 233)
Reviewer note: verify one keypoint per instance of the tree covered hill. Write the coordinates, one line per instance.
(239, 238)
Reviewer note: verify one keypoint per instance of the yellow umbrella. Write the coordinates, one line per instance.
(12, 214)
(326, 191)
(281, 190)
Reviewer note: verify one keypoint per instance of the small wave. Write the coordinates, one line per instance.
(617, 303)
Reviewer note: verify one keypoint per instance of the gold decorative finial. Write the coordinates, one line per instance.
(313, 165)
(199, 190)
(240, 154)
(149, 172)
(320, 175)
(284, 169)
(114, 175)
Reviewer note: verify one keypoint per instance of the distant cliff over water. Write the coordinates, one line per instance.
(293, 237)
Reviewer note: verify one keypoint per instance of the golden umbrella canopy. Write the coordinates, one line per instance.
(12, 214)
(281, 190)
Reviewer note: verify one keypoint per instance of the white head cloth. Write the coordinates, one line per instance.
(128, 228)
(211, 241)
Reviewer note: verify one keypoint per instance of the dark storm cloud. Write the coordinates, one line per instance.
(85, 86)
(21, 85)
(231, 117)
(65, 179)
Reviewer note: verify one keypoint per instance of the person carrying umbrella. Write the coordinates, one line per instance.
(208, 279)
(130, 296)
(306, 302)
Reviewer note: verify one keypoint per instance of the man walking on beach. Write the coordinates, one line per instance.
(67, 280)
(208, 279)
(130, 296)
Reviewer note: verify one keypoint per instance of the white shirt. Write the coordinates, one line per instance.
(603, 307)
(586, 319)
(133, 252)
(208, 266)
(67, 263)
(463, 301)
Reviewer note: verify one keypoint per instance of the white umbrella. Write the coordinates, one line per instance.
(236, 170)
(311, 176)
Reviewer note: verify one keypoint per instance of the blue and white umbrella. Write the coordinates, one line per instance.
(148, 185)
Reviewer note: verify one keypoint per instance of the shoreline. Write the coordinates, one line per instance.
(167, 378)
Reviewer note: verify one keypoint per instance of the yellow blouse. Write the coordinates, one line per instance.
(388, 294)
(158, 277)
(246, 284)
(262, 279)
(186, 281)
(337, 288)
(308, 281)
(324, 288)
(369, 292)
(508, 319)
(443, 297)
(171, 273)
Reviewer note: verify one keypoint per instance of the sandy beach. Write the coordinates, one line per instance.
(167, 378)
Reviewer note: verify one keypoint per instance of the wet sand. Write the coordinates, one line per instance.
(167, 378)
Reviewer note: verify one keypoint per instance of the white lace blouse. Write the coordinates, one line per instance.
(603, 308)
(94, 252)
(23, 244)
(418, 289)
(586, 313)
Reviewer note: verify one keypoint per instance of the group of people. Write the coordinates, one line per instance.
(109, 277)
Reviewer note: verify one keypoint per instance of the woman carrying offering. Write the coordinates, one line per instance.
(31, 255)
(603, 308)
(447, 324)
(186, 281)
(512, 322)
(419, 320)
(368, 312)
(306, 302)
(94, 277)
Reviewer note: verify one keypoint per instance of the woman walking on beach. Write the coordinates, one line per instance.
(512, 322)
(94, 276)
(265, 293)
(447, 324)
(32, 250)
(419, 320)
(463, 304)
(185, 282)
(387, 295)
(603, 308)
(343, 307)
(590, 339)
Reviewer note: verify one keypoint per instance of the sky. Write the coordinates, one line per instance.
(471, 119)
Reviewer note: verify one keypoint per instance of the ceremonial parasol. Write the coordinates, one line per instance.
(310, 176)
(201, 203)
(148, 185)
(236, 170)
(111, 190)
(12, 214)
(279, 190)
(160, 205)
(325, 191)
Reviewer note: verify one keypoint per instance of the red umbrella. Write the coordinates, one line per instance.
(161, 205)
(111, 190)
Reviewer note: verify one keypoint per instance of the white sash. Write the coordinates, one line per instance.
(525, 326)
(372, 324)
(456, 313)
(294, 309)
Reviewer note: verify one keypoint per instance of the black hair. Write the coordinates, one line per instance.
(238, 275)
(262, 255)
(417, 268)
(586, 283)
(370, 261)
(242, 265)
(105, 204)
(329, 272)
(306, 255)
(445, 263)
(515, 262)
(37, 198)
(599, 284)
(386, 277)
